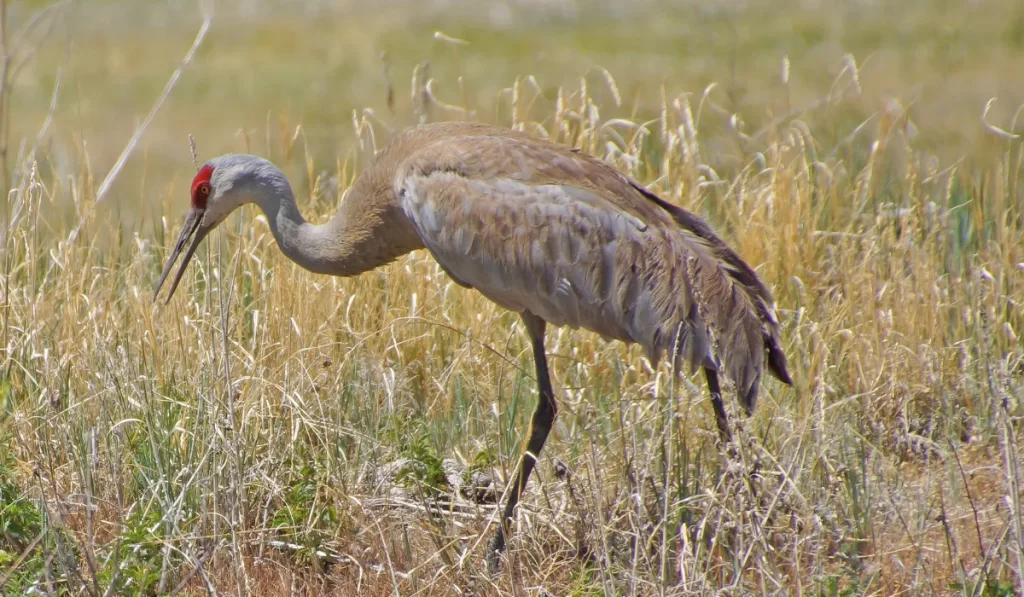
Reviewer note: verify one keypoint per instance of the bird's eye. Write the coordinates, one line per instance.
(204, 189)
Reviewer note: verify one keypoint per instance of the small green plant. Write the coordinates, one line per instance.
(20, 524)
(833, 586)
(483, 462)
(135, 561)
(990, 587)
(20, 518)
(303, 517)
(423, 472)
(21, 529)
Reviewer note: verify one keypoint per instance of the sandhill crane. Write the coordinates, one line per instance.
(537, 227)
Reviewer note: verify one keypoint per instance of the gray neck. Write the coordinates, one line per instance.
(317, 248)
(368, 231)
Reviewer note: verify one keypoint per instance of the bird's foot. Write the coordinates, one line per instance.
(494, 551)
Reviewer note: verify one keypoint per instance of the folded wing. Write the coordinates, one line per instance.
(538, 228)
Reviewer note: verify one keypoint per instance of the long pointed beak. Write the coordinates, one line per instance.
(192, 227)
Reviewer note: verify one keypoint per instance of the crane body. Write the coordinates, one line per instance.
(539, 228)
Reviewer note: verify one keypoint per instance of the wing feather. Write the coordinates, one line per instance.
(536, 227)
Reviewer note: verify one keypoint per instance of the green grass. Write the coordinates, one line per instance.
(369, 420)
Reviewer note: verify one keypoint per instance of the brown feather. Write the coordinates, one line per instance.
(538, 227)
(744, 275)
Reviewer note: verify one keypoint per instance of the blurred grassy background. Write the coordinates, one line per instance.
(839, 146)
(278, 64)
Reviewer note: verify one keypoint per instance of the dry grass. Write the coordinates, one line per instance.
(894, 240)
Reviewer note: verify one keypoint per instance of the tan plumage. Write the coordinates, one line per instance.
(540, 229)
(537, 227)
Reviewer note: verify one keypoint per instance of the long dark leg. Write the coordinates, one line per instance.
(540, 426)
(716, 401)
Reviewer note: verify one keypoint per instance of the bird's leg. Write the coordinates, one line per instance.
(716, 402)
(540, 426)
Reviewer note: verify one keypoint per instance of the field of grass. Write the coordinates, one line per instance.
(274, 432)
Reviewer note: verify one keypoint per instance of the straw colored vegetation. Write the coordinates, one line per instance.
(276, 432)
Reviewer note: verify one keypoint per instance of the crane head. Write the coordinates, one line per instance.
(196, 227)
(221, 185)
